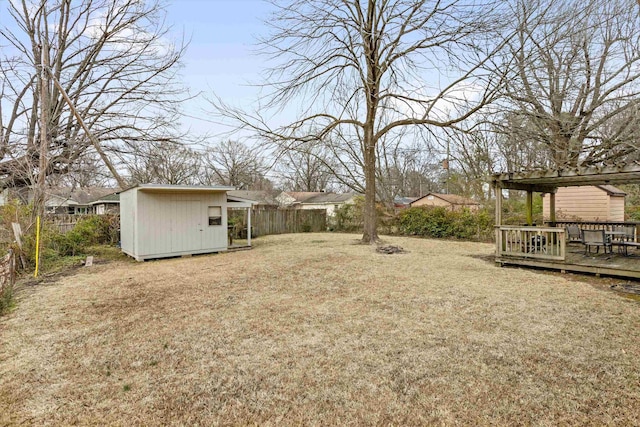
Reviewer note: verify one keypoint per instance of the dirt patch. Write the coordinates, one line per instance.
(311, 329)
(390, 250)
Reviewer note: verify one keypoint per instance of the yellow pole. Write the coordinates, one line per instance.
(35, 273)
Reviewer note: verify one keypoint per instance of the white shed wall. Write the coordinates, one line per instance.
(173, 223)
(127, 222)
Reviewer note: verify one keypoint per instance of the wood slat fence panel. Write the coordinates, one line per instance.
(63, 222)
(280, 221)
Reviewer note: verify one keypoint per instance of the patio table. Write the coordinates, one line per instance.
(613, 234)
(617, 238)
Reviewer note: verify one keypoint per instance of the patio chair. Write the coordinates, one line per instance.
(596, 238)
(629, 232)
(573, 233)
(628, 239)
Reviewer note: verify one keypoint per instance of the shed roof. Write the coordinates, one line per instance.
(174, 188)
(612, 191)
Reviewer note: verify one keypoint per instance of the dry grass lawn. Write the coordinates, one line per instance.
(312, 329)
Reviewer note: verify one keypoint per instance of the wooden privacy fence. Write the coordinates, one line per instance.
(7, 272)
(263, 221)
(281, 221)
(63, 222)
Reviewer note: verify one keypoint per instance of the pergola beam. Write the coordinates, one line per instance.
(622, 174)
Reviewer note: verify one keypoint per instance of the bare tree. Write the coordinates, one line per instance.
(404, 170)
(311, 167)
(233, 163)
(88, 171)
(362, 70)
(164, 163)
(112, 59)
(576, 73)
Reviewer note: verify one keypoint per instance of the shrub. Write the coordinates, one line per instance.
(350, 216)
(88, 231)
(441, 222)
(633, 213)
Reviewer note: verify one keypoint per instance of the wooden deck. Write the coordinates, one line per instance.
(577, 261)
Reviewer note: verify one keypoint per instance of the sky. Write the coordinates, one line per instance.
(221, 54)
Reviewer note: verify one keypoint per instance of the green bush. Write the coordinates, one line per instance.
(441, 222)
(350, 217)
(59, 249)
(633, 213)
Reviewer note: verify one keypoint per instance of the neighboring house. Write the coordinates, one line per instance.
(158, 221)
(330, 202)
(73, 201)
(109, 204)
(587, 203)
(261, 199)
(449, 201)
(60, 200)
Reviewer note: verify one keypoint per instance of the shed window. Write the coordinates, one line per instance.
(215, 215)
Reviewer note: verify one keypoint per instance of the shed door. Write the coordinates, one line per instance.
(186, 226)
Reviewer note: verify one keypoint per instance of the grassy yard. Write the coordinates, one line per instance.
(313, 329)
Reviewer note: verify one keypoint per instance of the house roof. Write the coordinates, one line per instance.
(329, 198)
(260, 197)
(454, 199)
(109, 198)
(81, 196)
(400, 200)
(302, 196)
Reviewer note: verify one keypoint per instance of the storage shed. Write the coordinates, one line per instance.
(158, 221)
(587, 203)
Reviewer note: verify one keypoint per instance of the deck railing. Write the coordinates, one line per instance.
(547, 243)
(601, 225)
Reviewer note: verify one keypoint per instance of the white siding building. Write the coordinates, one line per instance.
(158, 221)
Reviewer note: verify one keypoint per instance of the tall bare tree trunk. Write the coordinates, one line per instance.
(370, 232)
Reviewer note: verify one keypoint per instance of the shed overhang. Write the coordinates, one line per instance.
(238, 202)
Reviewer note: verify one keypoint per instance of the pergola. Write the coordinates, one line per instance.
(548, 181)
(546, 247)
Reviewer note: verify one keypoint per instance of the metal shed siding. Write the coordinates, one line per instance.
(161, 223)
(177, 223)
(127, 222)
